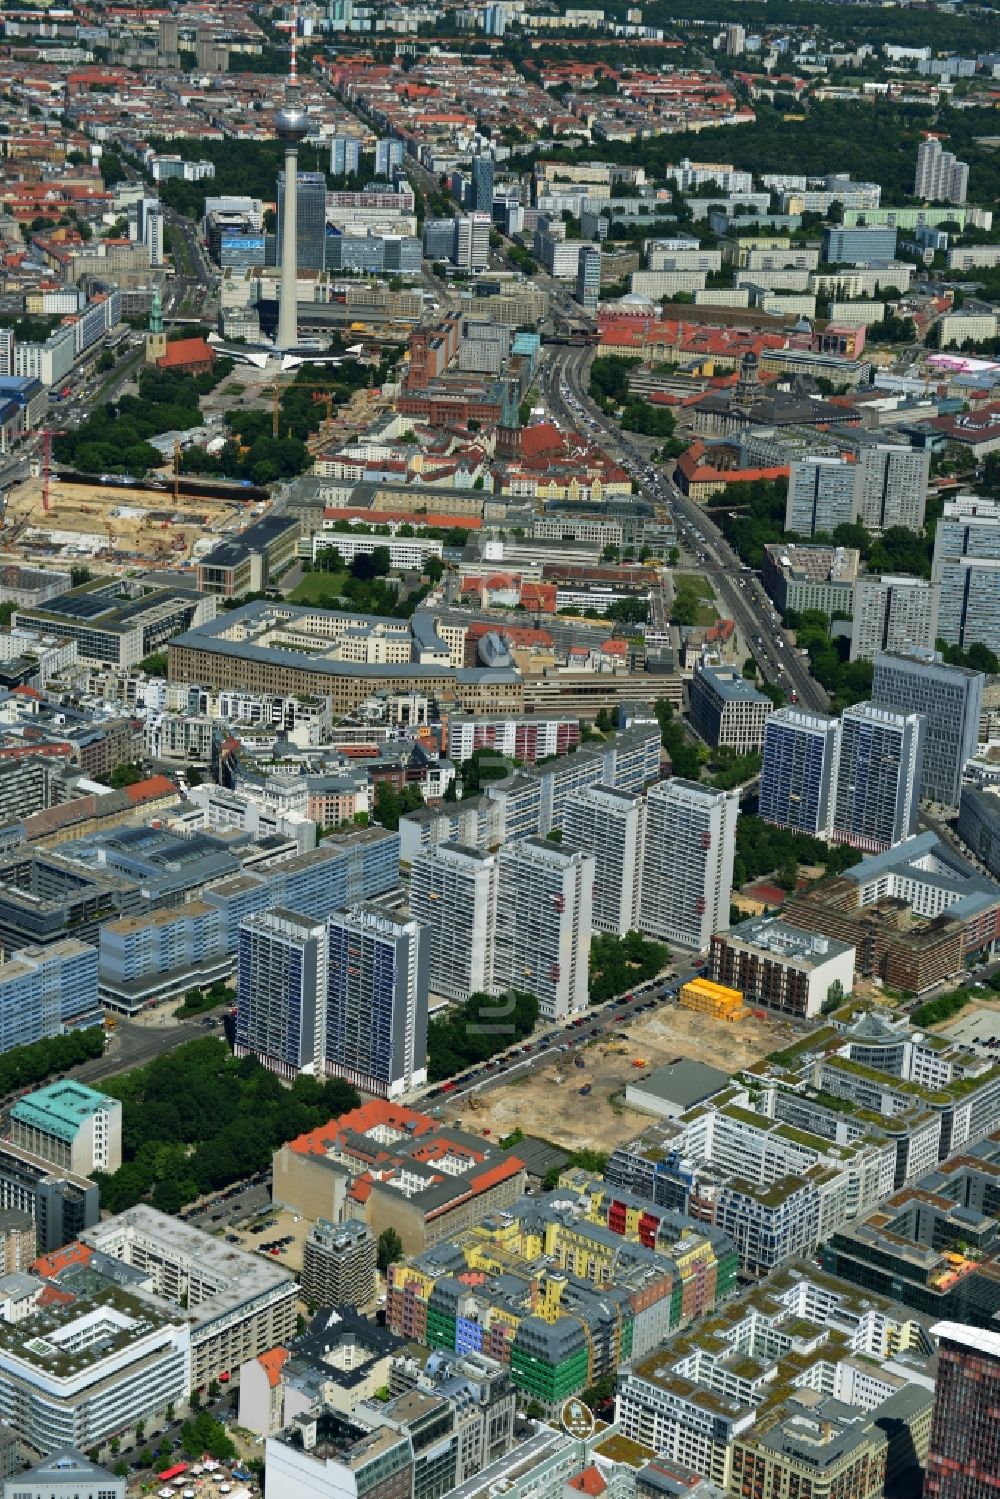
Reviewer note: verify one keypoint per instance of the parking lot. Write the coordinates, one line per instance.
(250, 1221)
(234, 1206)
(286, 1232)
(977, 1025)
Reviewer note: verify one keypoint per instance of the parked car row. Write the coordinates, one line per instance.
(597, 1021)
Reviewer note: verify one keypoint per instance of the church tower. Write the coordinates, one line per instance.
(747, 388)
(508, 439)
(156, 338)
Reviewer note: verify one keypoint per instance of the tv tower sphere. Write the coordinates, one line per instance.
(291, 123)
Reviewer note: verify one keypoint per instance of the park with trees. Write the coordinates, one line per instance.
(255, 452)
(618, 964)
(846, 681)
(762, 849)
(869, 139)
(685, 759)
(196, 1119)
(29, 1066)
(115, 438)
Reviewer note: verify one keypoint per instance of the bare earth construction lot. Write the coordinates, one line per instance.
(540, 1104)
(113, 525)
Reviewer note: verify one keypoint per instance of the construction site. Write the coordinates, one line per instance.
(167, 519)
(114, 526)
(577, 1099)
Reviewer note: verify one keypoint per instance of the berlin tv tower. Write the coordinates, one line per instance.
(291, 125)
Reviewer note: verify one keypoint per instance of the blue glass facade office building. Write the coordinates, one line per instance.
(310, 220)
(378, 974)
(279, 987)
(241, 251)
(798, 770)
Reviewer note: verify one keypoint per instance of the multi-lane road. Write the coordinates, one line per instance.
(134, 1043)
(565, 381)
(193, 276)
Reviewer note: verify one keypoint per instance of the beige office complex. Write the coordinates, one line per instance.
(288, 648)
(236, 1304)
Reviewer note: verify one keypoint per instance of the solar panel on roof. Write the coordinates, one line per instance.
(84, 606)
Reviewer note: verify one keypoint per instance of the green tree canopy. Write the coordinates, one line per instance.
(474, 1031)
(763, 850)
(390, 1248)
(618, 964)
(685, 757)
(196, 1119)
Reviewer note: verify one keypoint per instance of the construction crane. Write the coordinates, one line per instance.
(320, 391)
(47, 437)
(46, 468)
(177, 468)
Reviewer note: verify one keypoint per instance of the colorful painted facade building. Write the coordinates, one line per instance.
(563, 1290)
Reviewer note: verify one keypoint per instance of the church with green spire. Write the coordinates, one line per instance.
(156, 338)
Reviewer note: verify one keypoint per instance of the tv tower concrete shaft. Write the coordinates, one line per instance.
(292, 126)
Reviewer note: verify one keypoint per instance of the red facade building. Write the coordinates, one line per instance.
(964, 1457)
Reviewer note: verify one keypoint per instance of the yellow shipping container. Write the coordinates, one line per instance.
(712, 999)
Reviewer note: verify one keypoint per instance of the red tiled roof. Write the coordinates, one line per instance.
(539, 596)
(360, 1120)
(50, 1265)
(541, 438)
(434, 1150)
(151, 789)
(981, 425)
(587, 1482)
(52, 1296)
(31, 751)
(498, 1173)
(272, 1363)
(721, 630)
(186, 351)
(315, 1141)
(491, 1177)
(696, 469)
(522, 635)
